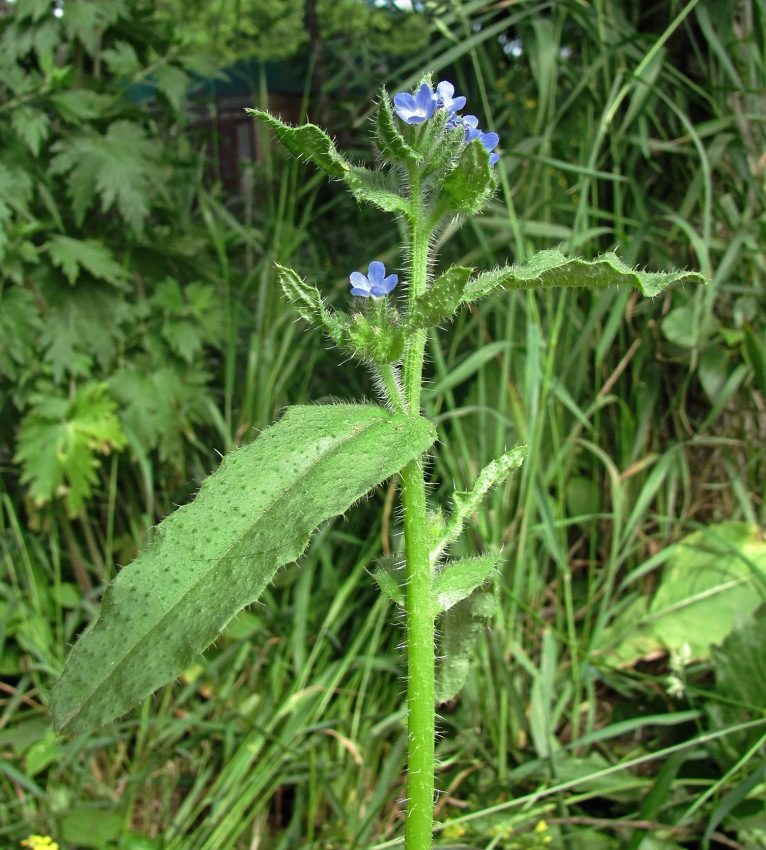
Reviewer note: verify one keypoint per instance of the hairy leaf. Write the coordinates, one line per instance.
(308, 302)
(440, 300)
(548, 269)
(214, 556)
(376, 188)
(390, 141)
(458, 580)
(308, 141)
(468, 187)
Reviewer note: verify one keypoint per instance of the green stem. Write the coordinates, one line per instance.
(421, 659)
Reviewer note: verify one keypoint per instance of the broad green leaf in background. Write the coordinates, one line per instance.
(216, 555)
(307, 141)
(60, 442)
(73, 255)
(714, 580)
(548, 269)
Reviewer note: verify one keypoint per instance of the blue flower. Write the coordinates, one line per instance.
(417, 108)
(445, 100)
(489, 140)
(374, 283)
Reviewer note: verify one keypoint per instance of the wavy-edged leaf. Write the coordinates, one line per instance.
(377, 188)
(441, 300)
(458, 580)
(309, 141)
(464, 504)
(306, 299)
(216, 555)
(548, 269)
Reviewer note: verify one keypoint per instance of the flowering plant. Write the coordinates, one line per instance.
(257, 513)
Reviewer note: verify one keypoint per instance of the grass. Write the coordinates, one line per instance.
(644, 421)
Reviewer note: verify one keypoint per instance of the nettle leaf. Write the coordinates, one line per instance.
(466, 503)
(123, 167)
(548, 269)
(441, 300)
(308, 302)
(388, 138)
(32, 126)
(307, 141)
(72, 255)
(469, 186)
(376, 188)
(457, 580)
(459, 628)
(20, 326)
(211, 558)
(60, 441)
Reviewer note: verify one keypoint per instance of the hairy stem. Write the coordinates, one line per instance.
(421, 662)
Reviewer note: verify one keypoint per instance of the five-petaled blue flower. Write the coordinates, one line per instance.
(445, 100)
(489, 140)
(374, 283)
(417, 108)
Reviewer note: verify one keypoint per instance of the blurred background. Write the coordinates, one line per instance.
(617, 701)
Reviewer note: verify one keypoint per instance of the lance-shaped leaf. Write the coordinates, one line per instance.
(469, 186)
(464, 504)
(377, 188)
(548, 269)
(457, 580)
(441, 300)
(390, 141)
(308, 302)
(216, 555)
(307, 141)
(459, 628)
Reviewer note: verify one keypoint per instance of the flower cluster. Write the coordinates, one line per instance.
(419, 107)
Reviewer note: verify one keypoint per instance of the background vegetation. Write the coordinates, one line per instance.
(619, 696)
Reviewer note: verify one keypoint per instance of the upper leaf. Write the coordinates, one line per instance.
(548, 269)
(468, 187)
(214, 556)
(308, 141)
(377, 188)
(390, 141)
(441, 299)
(308, 302)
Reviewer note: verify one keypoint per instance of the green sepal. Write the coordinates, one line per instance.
(308, 302)
(389, 140)
(551, 268)
(457, 580)
(445, 155)
(441, 299)
(466, 503)
(372, 341)
(309, 141)
(377, 188)
(389, 575)
(469, 186)
(459, 629)
(212, 557)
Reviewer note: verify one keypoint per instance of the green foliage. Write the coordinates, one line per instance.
(61, 440)
(215, 556)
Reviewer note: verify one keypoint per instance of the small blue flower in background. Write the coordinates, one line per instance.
(417, 108)
(445, 100)
(374, 283)
(489, 140)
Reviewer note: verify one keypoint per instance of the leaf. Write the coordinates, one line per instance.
(459, 628)
(389, 575)
(469, 186)
(548, 269)
(60, 440)
(388, 138)
(32, 126)
(71, 255)
(308, 141)
(308, 302)
(20, 326)
(211, 558)
(465, 504)
(121, 166)
(713, 580)
(174, 84)
(376, 188)
(441, 300)
(457, 580)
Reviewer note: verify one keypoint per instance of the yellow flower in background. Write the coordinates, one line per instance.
(40, 842)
